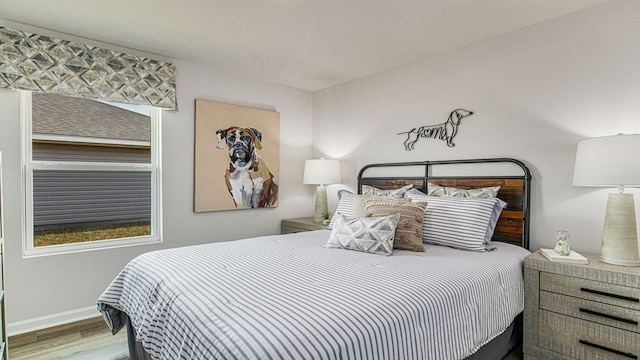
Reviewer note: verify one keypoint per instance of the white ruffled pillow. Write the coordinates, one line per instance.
(446, 191)
(394, 193)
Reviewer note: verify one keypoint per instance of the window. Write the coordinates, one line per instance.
(91, 174)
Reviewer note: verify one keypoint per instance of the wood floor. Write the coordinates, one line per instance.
(84, 340)
(87, 340)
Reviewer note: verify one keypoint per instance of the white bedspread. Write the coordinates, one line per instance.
(287, 297)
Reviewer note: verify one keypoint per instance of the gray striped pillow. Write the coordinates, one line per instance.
(345, 206)
(463, 223)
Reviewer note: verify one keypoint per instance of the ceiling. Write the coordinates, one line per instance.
(306, 44)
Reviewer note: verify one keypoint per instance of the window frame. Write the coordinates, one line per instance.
(29, 166)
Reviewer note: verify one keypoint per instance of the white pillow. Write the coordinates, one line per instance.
(360, 204)
(368, 234)
(463, 223)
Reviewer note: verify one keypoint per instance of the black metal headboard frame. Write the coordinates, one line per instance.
(523, 204)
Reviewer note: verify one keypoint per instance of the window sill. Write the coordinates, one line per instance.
(89, 246)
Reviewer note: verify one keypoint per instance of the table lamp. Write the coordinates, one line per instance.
(613, 161)
(321, 172)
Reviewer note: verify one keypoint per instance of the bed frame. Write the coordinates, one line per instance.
(515, 190)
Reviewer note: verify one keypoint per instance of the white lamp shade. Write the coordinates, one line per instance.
(608, 161)
(322, 172)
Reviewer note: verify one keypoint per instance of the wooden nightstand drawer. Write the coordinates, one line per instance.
(582, 339)
(613, 294)
(289, 226)
(597, 312)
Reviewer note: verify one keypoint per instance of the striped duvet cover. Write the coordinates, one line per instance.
(288, 297)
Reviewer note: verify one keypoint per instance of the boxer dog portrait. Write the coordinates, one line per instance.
(248, 178)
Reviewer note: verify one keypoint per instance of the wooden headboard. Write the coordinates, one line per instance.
(515, 190)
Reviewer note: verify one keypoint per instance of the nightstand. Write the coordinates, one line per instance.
(289, 226)
(580, 311)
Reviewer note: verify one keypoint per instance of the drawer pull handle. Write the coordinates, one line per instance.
(601, 347)
(598, 292)
(612, 317)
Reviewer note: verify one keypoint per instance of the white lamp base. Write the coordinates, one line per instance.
(620, 235)
(321, 203)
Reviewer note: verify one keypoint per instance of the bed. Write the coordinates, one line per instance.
(292, 297)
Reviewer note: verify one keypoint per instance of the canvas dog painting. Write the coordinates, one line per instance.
(236, 157)
(445, 131)
(247, 176)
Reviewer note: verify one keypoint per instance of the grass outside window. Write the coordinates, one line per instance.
(77, 234)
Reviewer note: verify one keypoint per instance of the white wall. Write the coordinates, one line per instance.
(535, 92)
(45, 290)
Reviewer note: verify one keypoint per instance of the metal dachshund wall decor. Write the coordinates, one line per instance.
(445, 131)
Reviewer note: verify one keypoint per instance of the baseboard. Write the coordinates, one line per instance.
(49, 321)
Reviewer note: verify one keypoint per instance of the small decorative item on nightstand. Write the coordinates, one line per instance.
(572, 258)
(326, 218)
(562, 245)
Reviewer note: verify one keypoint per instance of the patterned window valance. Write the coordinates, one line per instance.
(46, 64)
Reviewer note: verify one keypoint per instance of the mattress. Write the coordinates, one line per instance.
(288, 297)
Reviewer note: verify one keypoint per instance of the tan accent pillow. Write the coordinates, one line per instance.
(409, 229)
